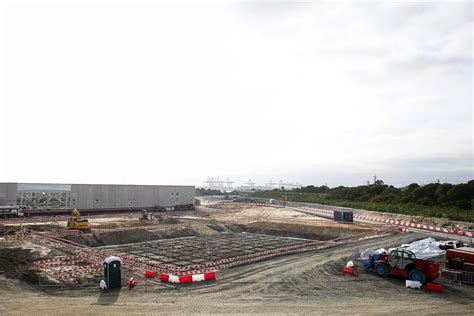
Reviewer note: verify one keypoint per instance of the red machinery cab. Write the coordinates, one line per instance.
(404, 263)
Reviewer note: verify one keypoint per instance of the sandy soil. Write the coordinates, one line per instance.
(305, 283)
(250, 213)
(310, 283)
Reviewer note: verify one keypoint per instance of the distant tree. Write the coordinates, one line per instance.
(441, 194)
(454, 197)
(412, 187)
(310, 189)
(471, 187)
(426, 194)
(460, 195)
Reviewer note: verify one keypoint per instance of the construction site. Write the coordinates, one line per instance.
(250, 256)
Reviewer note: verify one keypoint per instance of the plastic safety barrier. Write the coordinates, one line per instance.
(412, 284)
(433, 287)
(188, 278)
(349, 271)
(150, 274)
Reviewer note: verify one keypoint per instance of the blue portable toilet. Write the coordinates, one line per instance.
(113, 272)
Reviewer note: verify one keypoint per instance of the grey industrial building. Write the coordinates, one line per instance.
(95, 196)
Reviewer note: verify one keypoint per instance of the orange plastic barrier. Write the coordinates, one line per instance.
(433, 287)
(188, 278)
(150, 274)
(131, 283)
(209, 276)
(349, 271)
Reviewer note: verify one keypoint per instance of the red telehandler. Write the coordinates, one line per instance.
(404, 263)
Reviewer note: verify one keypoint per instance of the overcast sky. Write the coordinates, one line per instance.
(170, 93)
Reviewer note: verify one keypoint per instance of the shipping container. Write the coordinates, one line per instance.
(343, 216)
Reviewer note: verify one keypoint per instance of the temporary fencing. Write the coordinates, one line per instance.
(398, 222)
(88, 261)
(460, 276)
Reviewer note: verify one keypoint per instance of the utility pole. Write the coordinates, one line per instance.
(285, 195)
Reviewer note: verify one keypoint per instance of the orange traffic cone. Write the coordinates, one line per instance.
(131, 283)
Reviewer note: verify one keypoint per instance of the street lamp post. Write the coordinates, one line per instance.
(285, 195)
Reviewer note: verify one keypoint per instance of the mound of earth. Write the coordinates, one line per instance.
(16, 262)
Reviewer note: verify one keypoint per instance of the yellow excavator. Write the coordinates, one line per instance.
(75, 221)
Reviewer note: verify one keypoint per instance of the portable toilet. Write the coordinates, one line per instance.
(112, 272)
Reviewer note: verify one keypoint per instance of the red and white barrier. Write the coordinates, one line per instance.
(434, 287)
(401, 223)
(150, 274)
(413, 284)
(131, 283)
(188, 278)
(403, 229)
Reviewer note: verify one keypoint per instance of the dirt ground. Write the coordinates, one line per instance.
(244, 213)
(304, 283)
(310, 283)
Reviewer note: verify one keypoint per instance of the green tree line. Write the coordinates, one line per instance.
(435, 199)
(434, 194)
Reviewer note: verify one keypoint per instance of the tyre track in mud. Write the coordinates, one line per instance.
(310, 275)
(316, 275)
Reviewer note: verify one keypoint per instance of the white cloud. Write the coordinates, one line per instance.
(174, 92)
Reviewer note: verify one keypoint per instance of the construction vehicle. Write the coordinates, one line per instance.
(403, 263)
(460, 264)
(75, 221)
(450, 244)
(146, 216)
(460, 259)
(8, 211)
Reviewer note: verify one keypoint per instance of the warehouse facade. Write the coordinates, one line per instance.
(95, 196)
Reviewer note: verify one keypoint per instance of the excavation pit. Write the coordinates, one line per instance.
(201, 250)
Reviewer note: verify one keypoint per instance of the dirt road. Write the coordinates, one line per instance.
(310, 283)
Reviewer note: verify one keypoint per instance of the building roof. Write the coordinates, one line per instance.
(112, 259)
